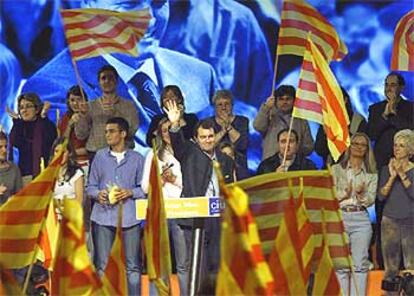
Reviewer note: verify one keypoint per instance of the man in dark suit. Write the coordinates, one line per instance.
(199, 179)
(385, 119)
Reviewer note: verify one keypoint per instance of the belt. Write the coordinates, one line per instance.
(353, 208)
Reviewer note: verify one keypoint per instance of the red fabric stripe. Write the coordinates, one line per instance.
(128, 45)
(22, 217)
(325, 182)
(276, 207)
(269, 234)
(112, 33)
(308, 85)
(17, 245)
(398, 35)
(306, 10)
(113, 273)
(308, 105)
(92, 22)
(306, 27)
(36, 188)
(281, 279)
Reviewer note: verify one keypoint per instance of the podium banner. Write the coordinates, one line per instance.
(185, 207)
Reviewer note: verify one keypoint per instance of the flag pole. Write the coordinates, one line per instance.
(288, 140)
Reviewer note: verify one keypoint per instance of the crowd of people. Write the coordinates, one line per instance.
(101, 169)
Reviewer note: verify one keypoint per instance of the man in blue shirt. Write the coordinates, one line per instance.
(119, 167)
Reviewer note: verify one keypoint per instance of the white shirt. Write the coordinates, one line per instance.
(118, 155)
(172, 190)
(66, 189)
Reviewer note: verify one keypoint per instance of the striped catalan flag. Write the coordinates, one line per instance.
(299, 18)
(74, 273)
(23, 217)
(115, 278)
(239, 239)
(269, 194)
(157, 243)
(319, 98)
(326, 282)
(402, 58)
(93, 32)
(286, 257)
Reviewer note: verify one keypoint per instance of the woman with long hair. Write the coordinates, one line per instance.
(171, 178)
(70, 182)
(356, 184)
(396, 190)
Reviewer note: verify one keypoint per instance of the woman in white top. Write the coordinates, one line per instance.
(356, 183)
(70, 183)
(171, 178)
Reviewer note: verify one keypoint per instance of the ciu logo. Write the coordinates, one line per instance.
(216, 205)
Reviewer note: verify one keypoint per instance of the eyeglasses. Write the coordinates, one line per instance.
(28, 106)
(361, 145)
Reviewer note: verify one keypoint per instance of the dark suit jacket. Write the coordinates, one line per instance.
(197, 167)
(269, 165)
(382, 130)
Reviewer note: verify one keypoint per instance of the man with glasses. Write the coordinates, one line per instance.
(115, 179)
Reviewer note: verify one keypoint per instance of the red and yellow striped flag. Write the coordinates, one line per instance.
(8, 283)
(268, 195)
(74, 273)
(299, 18)
(243, 269)
(157, 243)
(319, 98)
(306, 238)
(115, 278)
(326, 282)
(286, 256)
(93, 32)
(402, 58)
(22, 218)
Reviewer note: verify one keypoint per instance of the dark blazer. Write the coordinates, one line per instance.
(382, 130)
(197, 167)
(269, 165)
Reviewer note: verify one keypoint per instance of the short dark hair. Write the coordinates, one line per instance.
(285, 90)
(33, 98)
(223, 94)
(204, 124)
(3, 136)
(121, 122)
(400, 78)
(292, 132)
(107, 68)
(76, 91)
(175, 90)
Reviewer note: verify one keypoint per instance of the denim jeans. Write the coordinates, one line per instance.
(182, 240)
(359, 230)
(397, 237)
(103, 238)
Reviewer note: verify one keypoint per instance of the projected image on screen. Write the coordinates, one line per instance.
(200, 46)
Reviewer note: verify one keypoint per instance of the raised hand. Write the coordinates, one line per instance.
(270, 102)
(46, 107)
(173, 112)
(392, 167)
(11, 113)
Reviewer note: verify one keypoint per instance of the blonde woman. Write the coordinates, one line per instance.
(396, 189)
(356, 184)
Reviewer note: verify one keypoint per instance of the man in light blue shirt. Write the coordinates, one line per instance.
(118, 166)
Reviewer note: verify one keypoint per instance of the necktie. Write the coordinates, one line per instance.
(146, 92)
